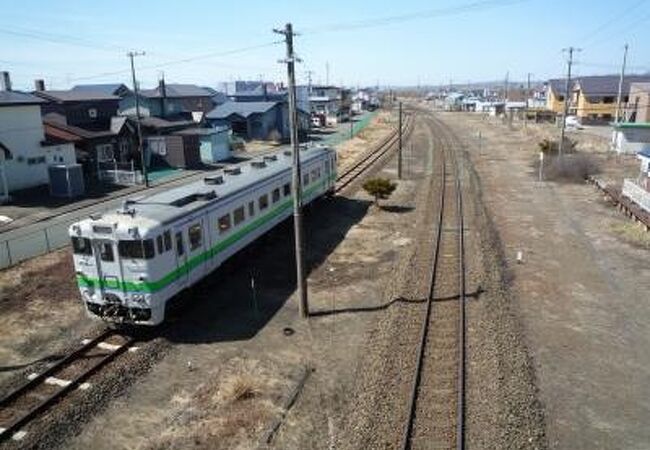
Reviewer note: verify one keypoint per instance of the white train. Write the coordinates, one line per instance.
(130, 263)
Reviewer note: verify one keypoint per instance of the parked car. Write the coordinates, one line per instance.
(573, 122)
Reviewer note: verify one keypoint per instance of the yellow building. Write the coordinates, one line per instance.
(594, 99)
(555, 91)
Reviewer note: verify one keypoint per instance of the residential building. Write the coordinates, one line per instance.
(594, 98)
(253, 120)
(192, 147)
(631, 137)
(81, 108)
(24, 153)
(96, 149)
(555, 95)
(638, 190)
(169, 100)
(332, 102)
(117, 89)
(638, 108)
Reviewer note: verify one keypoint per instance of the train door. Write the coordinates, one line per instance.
(109, 269)
(181, 258)
(328, 173)
(197, 240)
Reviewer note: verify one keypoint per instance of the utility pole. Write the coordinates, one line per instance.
(527, 99)
(620, 86)
(301, 281)
(143, 159)
(567, 99)
(505, 88)
(399, 148)
(309, 74)
(327, 73)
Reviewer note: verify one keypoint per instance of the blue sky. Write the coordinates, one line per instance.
(75, 41)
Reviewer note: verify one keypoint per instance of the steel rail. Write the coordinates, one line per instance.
(352, 172)
(45, 404)
(424, 331)
(461, 379)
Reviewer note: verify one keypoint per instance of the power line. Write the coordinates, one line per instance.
(585, 38)
(426, 14)
(63, 39)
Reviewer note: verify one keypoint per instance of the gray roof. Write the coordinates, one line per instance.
(243, 109)
(645, 153)
(557, 86)
(177, 91)
(9, 98)
(108, 88)
(75, 96)
(163, 207)
(607, 85)
(201, 131)
(158, 122)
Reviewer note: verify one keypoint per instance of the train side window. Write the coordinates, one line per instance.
(305, 179)
(107, 252)
(159, 244)
(136, 249)
(224, 223)
(286, 189)
(167, 238)
(314, 175)
(238, 215)
(194, 236)
(275, 195)
(180, 249)
(251, 209)
(81, 246)
(264, 202)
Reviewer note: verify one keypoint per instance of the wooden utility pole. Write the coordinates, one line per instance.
(526, 99)
(399, 148)
(143, 159)
(567, 99)
(301, 281)
(620, 87)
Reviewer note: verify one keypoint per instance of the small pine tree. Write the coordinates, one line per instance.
(379, 188)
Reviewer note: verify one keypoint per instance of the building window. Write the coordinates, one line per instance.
(224, 223)
(105, 152)
(608, 99)
(194, 236)
(275, 195)
(238, 215)
(251, 209)
(264, 202)
(287, 189)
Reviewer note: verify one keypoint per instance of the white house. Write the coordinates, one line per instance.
(631, 137)
(25, 156)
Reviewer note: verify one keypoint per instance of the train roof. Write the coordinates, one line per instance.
(166, 206)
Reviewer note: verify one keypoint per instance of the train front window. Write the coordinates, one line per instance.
(81, 246)
(107, 252)
(136, 249)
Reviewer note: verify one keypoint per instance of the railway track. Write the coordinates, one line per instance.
(436, 411)
(369, 158)
(44, 390)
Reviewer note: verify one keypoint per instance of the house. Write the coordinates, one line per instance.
(638, 107)
(638, 190)
(330, 101)
(24, 153)
(168, 100)
(253, 120)
(192, 147)
(95, 149)
(117, 89)
(594, 98)
(81, 108)
(555, 95)
(631, 137)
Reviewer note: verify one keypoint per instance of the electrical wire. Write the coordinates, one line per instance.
(426, 14)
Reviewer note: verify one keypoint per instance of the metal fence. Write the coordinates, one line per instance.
(120, 173)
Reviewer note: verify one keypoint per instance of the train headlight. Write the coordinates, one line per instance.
(138, 298)
(88, 293)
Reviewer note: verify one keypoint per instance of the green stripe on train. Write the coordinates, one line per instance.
(192, 263)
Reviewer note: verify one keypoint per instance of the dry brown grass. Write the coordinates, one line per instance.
(633, 234)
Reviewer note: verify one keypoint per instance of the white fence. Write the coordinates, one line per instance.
(637, 194)
(121, 177)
